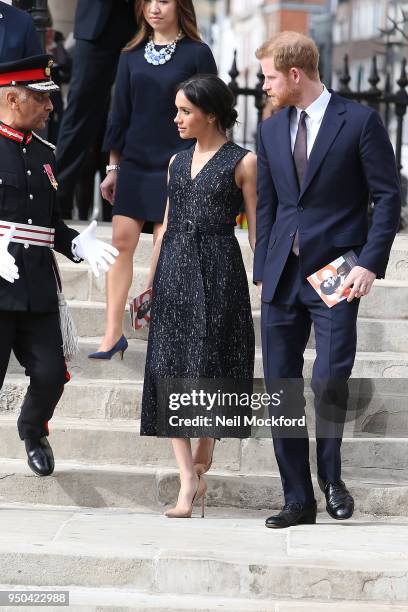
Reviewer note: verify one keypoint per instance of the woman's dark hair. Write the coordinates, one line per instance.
(187, 23)
(212, 96)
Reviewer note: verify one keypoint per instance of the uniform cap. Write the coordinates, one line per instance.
(31, 72)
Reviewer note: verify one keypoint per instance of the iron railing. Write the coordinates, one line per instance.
(38, 10)
(390, 104)
(385, 101)
(255, 92)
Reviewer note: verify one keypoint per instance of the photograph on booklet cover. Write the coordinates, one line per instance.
(329, 280)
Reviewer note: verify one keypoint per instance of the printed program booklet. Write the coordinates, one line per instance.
(140, 310)
(331, 277)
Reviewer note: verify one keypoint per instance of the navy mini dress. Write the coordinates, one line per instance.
(141, 125)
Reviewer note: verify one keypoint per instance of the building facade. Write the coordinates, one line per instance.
(241, 26)
(357, 33)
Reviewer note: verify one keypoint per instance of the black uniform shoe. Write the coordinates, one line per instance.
(40, 456)
(293, 514)
(339, 502)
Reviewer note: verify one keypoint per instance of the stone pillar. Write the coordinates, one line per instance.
(62, 12)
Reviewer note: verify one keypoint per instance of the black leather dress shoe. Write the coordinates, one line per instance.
(293, 514)
(339, 501)
(40, 456)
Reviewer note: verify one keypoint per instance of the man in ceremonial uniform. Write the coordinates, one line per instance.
(30, 226)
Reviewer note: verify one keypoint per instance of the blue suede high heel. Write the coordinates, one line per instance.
(119, 347)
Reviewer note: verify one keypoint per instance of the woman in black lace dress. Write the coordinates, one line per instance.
(201, 322)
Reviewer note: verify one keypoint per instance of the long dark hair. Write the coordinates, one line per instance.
(187, 22)
(211, 95)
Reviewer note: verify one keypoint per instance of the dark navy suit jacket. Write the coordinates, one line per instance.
(351, 163)
(92, 16)
(18, 37)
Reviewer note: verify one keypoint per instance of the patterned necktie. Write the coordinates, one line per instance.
(300, 159)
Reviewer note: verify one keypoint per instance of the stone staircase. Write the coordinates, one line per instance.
(106, 537)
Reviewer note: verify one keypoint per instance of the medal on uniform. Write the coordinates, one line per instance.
(50, 175)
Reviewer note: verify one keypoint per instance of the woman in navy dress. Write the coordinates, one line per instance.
(201, 334)
(142, 137)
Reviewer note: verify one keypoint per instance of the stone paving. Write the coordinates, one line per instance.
(96, 526)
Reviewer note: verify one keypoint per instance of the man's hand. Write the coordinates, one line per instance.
(98, 253)
(8, 268)
(358, 283)
(259, 286)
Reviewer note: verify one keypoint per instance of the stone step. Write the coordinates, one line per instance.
(388, 298)
(397, 267)
(105, 599)
(82, 398)
(80, 284)
(119, 486)
(118, 442)
(218, 556)
(367, 365)
(89, 318)
(398, 263)
(373, 334)
(124, 599)
(383, 402)
(130, 368)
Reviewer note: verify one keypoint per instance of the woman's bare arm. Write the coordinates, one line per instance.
(245, 177)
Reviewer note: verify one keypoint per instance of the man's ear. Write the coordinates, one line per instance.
(13, 99)
(295, 74)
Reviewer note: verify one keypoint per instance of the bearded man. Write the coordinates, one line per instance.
(321, 159)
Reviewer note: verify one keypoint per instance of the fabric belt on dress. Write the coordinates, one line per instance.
(26, 234)
(189, 227)
(193, 230)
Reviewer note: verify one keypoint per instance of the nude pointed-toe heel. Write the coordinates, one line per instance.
(200, 493)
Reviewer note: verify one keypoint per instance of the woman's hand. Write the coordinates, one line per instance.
(108, 186)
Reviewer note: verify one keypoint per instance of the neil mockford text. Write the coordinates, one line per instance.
(204, 400)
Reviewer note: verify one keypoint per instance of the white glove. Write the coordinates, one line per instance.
(99, 254)
(8, 268)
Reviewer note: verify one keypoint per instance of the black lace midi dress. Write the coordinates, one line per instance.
(201, 322)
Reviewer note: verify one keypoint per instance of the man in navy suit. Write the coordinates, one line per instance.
(18, 37)
(321, 160)
(102, 28)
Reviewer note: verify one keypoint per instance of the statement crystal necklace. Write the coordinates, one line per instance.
(157, 58)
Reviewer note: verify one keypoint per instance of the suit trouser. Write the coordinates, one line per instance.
(93, 74)
(286, 325)
(37, 343)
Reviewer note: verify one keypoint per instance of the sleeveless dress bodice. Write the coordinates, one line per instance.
(201, 322)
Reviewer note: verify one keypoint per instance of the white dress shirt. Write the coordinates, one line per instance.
(315, 113)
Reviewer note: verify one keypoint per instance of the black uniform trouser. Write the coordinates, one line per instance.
(36, 341)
